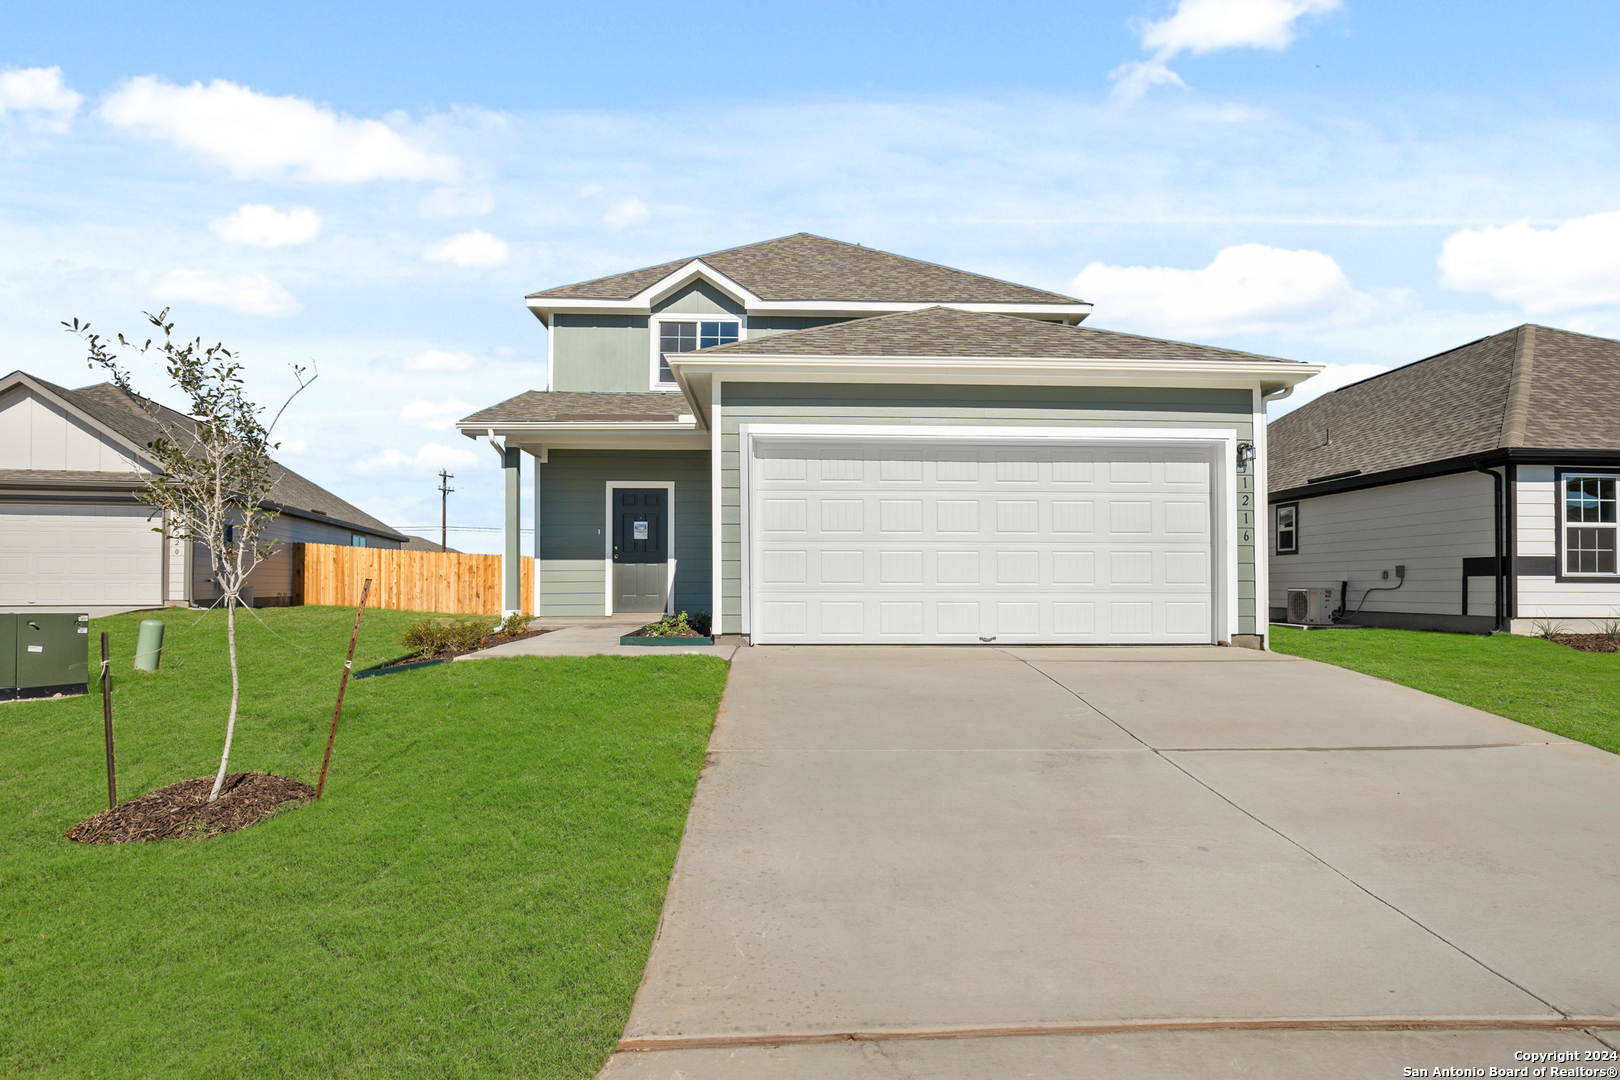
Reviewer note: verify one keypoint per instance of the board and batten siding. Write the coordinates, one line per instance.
(571, 501)
(602, 353)
(38, 434)
(698, 298)
(1536, 535)
(1429, 526)
(966, 406)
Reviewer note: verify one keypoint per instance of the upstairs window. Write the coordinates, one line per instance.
(1589, 524)
(682, 337)
(1288, 528)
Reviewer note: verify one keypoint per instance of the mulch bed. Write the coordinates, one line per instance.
(1589, 642)
(182, 811)
(488, 643)
(646, 631)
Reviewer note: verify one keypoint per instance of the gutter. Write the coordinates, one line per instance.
(1501, 569)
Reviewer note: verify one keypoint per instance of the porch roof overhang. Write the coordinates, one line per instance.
(539, 436)
(696, 372)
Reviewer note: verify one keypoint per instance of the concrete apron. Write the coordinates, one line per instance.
(1167, 862)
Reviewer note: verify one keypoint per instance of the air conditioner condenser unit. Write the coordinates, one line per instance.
(1312, 607)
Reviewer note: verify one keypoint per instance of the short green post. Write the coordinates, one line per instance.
(149, 646)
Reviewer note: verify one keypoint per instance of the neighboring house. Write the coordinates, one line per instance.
(1488, 472)
(417, 543)
(74, 538)
(825, 443)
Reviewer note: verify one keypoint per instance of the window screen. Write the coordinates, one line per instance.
(1590, 525)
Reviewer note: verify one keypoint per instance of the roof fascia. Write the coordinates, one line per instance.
(689, 273)
(1446, 466)
(314, 515)
(22, 378)
(1003, 370)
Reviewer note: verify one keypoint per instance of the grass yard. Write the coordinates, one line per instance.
(475, 896)
(1540, 683)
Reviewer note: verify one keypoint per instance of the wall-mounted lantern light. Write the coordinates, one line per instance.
(1245, 453)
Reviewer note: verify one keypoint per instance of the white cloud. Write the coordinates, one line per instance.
(436, 415)
(258, 225)
(248, 295)
(475, 248)
(1328, 380)
(255, 135)
(430, 456)
(293, 446)
(1202, 26)
(1250, 288)
(40, 95)
(590, 191)
(435, 360)
(1573, 266)
(631, 211)
(448, 202)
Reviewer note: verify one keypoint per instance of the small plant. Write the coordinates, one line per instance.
(431, 636)
(1610, 627)
(1548, 629)
(513, 625)
(682, 625)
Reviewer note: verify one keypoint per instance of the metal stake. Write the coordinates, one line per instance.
(106, 722)
(343, 685)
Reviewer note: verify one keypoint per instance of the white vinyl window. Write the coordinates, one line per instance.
(1288, 529)
(680, 336)
(1589, 524)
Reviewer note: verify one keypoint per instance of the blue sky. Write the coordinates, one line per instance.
(375, 187)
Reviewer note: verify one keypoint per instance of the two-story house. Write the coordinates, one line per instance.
(820, 442)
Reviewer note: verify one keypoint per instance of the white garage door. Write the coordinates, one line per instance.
(79, 556)
(897, 541)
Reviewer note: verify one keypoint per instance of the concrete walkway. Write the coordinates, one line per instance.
(594, 637)
(975, 862)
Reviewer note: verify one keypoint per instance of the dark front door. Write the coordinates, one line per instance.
(640, 549)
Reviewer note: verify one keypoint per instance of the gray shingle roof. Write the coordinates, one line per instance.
(1531, 387)
(951, 332)
(118, 411)
(561, 406)
(808, 267)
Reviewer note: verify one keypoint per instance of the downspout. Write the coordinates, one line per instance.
(1501, 580)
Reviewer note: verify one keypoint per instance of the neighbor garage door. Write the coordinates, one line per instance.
(898, 541)
(79, 556)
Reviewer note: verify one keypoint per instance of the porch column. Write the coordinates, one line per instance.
(511, 561)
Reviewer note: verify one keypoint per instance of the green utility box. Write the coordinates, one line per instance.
(48, 654)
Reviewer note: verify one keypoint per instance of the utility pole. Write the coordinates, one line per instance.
(444, 508)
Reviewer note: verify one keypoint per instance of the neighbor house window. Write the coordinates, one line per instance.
(680, 337)
(356, 540)
(1288, 529)
(1589, 524)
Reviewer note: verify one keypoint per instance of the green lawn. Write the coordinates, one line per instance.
(1536, 682)
(475, 896)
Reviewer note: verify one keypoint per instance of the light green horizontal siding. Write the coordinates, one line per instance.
(573, 521)
(699, 298)
(760, 326)
(1012, 406)
(600, 353)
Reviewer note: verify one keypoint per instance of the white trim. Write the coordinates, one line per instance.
(655, 335)
(545, 307)
(607, 541)
(689, 272)
(1261, 505)
(1221, 443)
(716, 547)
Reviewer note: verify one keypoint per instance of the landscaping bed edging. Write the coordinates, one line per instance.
(637, 639)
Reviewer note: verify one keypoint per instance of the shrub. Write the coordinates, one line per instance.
(682, 625)
(1548, 629)
(431, 636)
(513, 624)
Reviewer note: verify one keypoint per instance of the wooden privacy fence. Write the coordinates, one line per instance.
(441, 581)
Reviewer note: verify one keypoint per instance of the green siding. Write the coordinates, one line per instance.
(760, 326)
(1102, 406)
(573, 512)
(699, 298)
(600, 352)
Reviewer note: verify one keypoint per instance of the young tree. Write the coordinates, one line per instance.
(214, 467)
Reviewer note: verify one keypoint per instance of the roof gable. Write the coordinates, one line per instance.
(951, 332)
(814, 268)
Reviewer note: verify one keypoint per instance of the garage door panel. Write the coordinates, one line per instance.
(924, 542)
(79, 556)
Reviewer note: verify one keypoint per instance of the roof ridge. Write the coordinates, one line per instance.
(1516, 411)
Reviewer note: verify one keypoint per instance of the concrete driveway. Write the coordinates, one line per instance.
(960, 862)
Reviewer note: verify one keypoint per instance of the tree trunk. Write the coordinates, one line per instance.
(236, 694)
